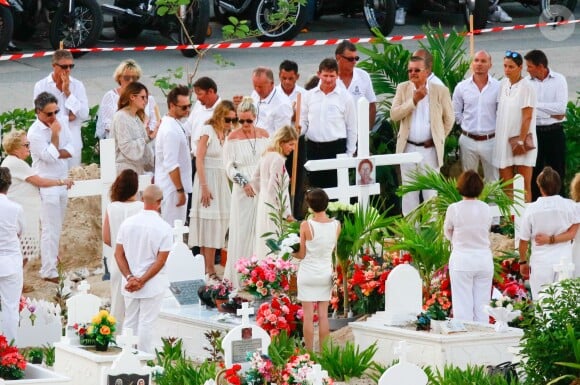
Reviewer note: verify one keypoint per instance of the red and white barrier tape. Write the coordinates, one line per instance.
(276, 44)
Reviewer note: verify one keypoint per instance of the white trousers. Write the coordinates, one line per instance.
(411, 200)
(471, 292)
(140, 315)
(473, 151)
(170, 212)
(541, 274)
(10, 290)
(52, 212)
(117, 299)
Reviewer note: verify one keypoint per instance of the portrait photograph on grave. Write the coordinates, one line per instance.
(365, 172)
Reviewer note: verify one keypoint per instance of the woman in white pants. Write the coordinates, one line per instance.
(467, 225)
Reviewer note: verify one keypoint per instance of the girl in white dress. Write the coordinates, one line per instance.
(318, 237)
(515, 117)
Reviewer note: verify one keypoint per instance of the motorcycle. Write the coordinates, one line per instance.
(378, 14)
(6, 25)
(131, 17)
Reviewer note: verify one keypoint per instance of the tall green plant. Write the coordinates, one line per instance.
(572, 131)
(346, 362)
(90, 153)
(452, 375)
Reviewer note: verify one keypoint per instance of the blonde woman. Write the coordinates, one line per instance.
(271, 179)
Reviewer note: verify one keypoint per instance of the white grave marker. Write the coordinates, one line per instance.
(317, 375)
(243, 339)
(126, 369)
(82, 307)
(403, 373)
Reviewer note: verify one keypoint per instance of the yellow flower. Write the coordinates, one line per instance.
(105, 330)
(111, 320)
(96, 319)
(103, 313)
(90, 329)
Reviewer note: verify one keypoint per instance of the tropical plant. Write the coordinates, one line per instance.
(171, 350)
(575, 342)
(282, 347)
(452, 375)
(345, 362)
(546, 338)
(49, 355)
(184, 372)
(90, 152)
(35, 355)
(572, 131)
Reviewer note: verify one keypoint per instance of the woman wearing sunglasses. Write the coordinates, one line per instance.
(130, 132)
(210, 199)
(24, 189)
(515, 117)
(242, 152)
(127, 72)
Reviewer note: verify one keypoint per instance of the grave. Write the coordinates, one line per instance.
(81, 308)
(126, 369)
(403, 372)
(39, 324)
(479, 345)
(38, 375)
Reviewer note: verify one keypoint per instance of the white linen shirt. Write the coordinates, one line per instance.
(171, 152)
(475, 110)
(45, 156)
(550, 215)
(273, 112)
(360, 86)
(196, 120)
(435, 80)
(420, 129)
(329, 117)
(297, 89)
(552, 98)
(143, 235)
(11, 226)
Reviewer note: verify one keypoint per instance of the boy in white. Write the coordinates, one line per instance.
(550, 214)
(143, 244)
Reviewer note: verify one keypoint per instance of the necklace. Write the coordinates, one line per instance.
(250, 141)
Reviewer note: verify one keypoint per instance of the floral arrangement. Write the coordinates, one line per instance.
(220, 289)
(103, 327)
(12, 363)
(298, 371)
(367, 285)
(25, 303)
(510, 282)
(340, 210)
(280, 314)
(502, 301)
(438, 304)
(265, 277)
(85, 333)
(261, 371)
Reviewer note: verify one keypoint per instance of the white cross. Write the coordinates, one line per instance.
(178, 230)
(565, 268)
(127, 340)
(316, 376)
(245, 312)
(344, 191)
(84, 287)
(85, 188)
(401, 350)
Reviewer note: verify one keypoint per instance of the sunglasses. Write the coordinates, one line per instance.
(65, 66)
(249, 121)
(130, 78)
(27, 145)
(143, 97)
(184, 107)
(512, 54)
(350, 59)
(414, 70)
(50, 114)
(233, 120)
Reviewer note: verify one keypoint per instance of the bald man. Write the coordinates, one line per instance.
(143, 244)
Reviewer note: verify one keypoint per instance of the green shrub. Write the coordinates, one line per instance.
(344, 363)
(452, 375)
(572, 131)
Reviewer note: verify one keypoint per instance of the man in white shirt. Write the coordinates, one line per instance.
(288, 75)
(356, 80)
(71, 96)
(552, 93)
(11, 276)
(426, 55)
(50, 148)
(172, 157)
(328, 120)
(143, 244)
(475, 106)
(274, 108)
(426, 115)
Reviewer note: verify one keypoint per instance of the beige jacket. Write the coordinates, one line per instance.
(440, 112)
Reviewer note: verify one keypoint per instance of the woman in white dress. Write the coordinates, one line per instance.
(129, 131)
(24, 189)
(210, 199)
(515, 117)
(318, 237)
(271, 179)
(242, 152)
(125, 73)
(467, 224)
(123, 204)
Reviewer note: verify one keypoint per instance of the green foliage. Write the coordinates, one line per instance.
(171, 350)
(237, 29)
(172, 79)
(344, 363)
(49, 354)
(452, 375)
(184, 372)
(575, 342)
(282, 347)
(214, 337)
(546, 339)
(572, 131)
(90, 153)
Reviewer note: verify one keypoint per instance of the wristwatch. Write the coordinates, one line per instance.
(128, 277)
(521, 142)
(180, 190)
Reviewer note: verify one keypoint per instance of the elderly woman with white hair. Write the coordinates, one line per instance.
(24, 188)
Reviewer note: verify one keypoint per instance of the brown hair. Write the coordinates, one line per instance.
(469, 184)
(220, 112)
(125, 98)
(363, 162)
(317, 200)
(549, 181)
(5, 179)
(125, 186)
(60, 54)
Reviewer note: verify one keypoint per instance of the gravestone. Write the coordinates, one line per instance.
(186, 273)
(243, 339)
(403, 297)
(81, 308)
(126, 368)
(403, 373)
(39, 323)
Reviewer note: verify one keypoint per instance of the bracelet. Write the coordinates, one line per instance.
(180, 190)
(60, 182)
(552, 239)
(129, 276)
(523, 262)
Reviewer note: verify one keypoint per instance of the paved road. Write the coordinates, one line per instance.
(95, 70)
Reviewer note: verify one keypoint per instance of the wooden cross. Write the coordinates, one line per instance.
(245, 312)
(344, 191)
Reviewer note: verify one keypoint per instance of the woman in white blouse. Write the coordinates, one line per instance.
(467, 225)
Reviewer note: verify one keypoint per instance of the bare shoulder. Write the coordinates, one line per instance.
(261, 133)
(235, 134)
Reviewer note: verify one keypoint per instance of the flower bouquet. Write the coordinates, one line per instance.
(265, 277)
(280, 314)
(103, 329)
(12, 363)
(502, 310)
(299, 371)
(261, 371)
(367, 285)
(84, 331)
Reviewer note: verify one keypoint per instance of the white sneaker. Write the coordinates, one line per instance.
(400, 16)
(499, 15)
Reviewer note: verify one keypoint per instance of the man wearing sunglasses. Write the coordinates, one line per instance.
(50, 148)
(274, 109)
(172, 157)
(426, 117)
(71, 96)
(357, 81)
